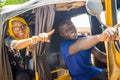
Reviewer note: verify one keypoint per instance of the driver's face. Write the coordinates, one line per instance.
(68, 31)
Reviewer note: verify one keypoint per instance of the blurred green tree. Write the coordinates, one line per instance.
(10, 2)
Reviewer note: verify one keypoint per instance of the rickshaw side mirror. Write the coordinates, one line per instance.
(94, 7)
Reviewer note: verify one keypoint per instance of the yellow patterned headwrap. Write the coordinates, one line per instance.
(10, 31)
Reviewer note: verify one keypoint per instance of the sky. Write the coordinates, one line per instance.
(83, 20)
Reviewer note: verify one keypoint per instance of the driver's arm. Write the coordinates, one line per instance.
(99, 54)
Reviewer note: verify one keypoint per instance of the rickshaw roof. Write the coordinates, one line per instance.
(9, 11)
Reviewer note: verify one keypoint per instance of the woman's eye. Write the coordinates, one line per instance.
(16, 28)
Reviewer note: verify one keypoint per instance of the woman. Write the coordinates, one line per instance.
(20, 47)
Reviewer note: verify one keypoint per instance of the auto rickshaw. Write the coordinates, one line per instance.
(42, 16)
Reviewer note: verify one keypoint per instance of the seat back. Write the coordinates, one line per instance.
(55, 61)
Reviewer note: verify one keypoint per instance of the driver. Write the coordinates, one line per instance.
(76, 51)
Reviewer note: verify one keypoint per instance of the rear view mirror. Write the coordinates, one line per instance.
(94, 8)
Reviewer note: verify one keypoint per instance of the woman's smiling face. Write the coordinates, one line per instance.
(19, 29)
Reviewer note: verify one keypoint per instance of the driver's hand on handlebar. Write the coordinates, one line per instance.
(110, 34)
(44, 37)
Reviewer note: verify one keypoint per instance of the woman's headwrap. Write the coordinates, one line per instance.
(10, 31)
